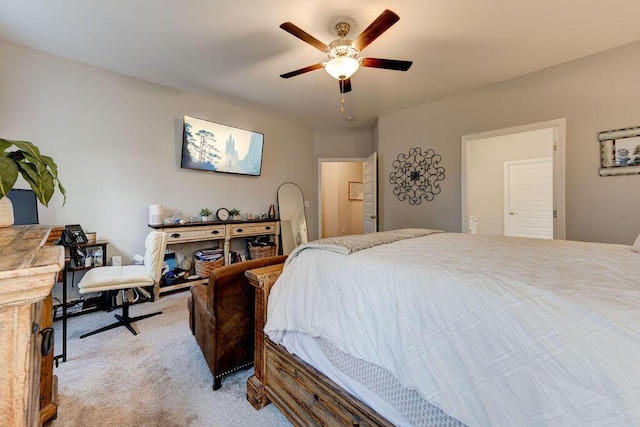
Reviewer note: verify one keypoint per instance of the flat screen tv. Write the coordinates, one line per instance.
(25, 206)
(216, 147)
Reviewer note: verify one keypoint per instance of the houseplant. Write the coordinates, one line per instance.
(235, 214)
(40, 171)
(205, 214)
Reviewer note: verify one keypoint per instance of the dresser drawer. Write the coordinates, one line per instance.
(253, 229)
(195, 234)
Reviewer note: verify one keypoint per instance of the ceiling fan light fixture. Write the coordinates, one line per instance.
(342, 67)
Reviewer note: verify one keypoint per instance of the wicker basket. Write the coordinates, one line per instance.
(204, 268)
(256, 252)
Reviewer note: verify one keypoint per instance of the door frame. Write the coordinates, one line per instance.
(330, 160)
(559, 169)
(370, 197)
(507, 187)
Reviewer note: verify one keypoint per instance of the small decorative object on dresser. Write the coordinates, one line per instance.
(205, 214)
(235, 214)
(156, 213)
(222, 214)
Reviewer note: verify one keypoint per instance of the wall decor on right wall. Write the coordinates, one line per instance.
(620, 151)
(417, 175)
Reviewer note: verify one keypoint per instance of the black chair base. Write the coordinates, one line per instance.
(123, 320)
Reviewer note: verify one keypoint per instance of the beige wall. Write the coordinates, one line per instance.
(341, 216)
(343, 143)
(486, 172)
(117, 142)
(594, 94)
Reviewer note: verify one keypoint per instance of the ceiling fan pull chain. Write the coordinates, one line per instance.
(342, 96)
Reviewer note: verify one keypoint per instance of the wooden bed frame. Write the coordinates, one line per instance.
(303, 394)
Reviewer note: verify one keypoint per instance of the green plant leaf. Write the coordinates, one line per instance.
(28, 148)
(63, 192)
(16, 156)
(9, 175)
(53, 167)
(29, 173)
(40, 171)
(41, 184)
(4, 144)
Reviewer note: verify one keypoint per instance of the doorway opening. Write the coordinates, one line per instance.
(337, 214)
(485, 157)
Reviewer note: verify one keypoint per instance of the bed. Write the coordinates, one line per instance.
(476, 330)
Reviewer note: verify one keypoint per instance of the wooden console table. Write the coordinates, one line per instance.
(28, 270)
(222, 232)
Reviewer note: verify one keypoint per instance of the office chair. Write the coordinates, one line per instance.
(126, 277)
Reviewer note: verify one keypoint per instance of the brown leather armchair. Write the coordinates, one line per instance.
(222, 317)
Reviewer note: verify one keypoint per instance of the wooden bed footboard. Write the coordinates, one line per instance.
(303, 394)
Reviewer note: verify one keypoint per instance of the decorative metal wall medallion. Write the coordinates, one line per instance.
(417, 175)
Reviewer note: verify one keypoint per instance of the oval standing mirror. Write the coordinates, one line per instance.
(293, 222)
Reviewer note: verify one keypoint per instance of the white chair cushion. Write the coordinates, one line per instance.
(154, 245)
(115, 277)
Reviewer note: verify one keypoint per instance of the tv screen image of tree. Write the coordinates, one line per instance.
(220, 148)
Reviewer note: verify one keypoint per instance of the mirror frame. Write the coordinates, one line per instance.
(291, 237)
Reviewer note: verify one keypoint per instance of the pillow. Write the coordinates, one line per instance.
(636, 244)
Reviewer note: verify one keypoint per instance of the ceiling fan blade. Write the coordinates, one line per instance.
(389, 64)
(304, 36)
(377, 27)
(345, 85)
(301, 71)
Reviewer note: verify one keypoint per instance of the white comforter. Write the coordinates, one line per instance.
(495, 331)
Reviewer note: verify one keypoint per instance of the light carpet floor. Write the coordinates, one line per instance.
(157, 378)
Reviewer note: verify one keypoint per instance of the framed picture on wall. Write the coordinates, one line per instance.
(215, 147)
(355, 190)
(620, 151)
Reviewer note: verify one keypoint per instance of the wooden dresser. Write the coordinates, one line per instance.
(28, 270)
(48, 381)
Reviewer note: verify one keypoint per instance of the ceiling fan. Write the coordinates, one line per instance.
(342, 52)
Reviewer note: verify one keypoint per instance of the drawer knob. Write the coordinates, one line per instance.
(175, 235)
(239, 230)
(268, 228)
(215, 232)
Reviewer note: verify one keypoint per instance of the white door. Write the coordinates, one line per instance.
(370, 194)
(529, 199)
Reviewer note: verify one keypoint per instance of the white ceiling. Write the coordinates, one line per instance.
(233, 50)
